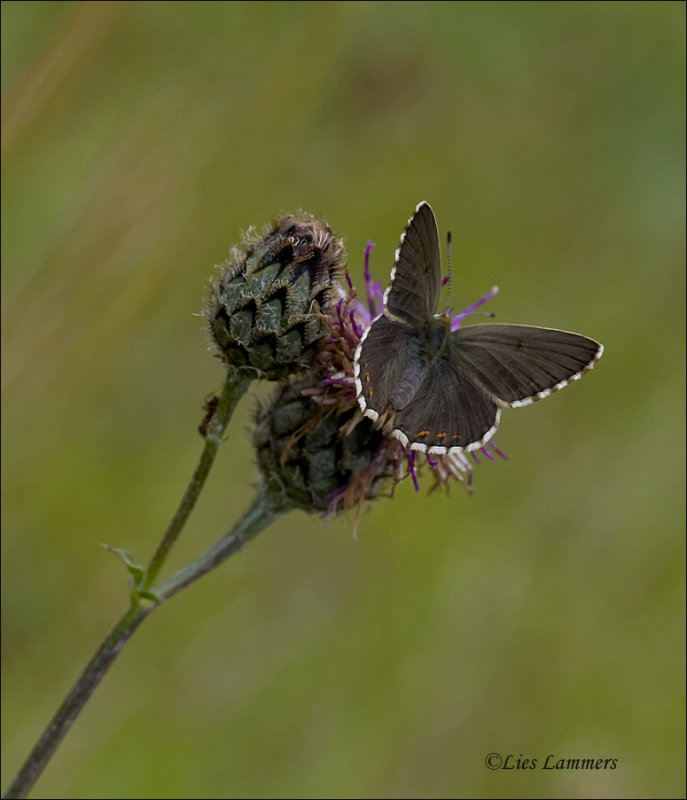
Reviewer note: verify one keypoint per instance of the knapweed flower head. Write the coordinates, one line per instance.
(312, 456)
(265, 310)
(314, 444)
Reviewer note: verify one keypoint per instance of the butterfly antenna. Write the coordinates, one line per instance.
(447, 279)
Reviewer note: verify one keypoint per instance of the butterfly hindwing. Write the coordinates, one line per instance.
(415, 285)
(448, 411)
(519, 364)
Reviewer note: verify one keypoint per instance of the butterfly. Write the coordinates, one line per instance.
(441, 391)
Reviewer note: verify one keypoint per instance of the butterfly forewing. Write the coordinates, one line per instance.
(416, 277)
(518, 364)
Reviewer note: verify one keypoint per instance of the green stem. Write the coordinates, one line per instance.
(234, 387)
(258, 516)
(75, 701)
(261, 513)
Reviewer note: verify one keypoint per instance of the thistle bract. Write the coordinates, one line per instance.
(313, 456)
(265, 311)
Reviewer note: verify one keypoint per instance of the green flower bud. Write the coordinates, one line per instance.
(314, 457)
(265, 310)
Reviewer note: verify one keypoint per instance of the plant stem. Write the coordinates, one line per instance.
(262, 512)
(234, 387)
(257, 517)
(75, 701)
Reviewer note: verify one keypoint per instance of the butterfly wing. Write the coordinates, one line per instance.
(415, 284)
(386, 365)
(384, 354)
(519, 364)
(449, 412)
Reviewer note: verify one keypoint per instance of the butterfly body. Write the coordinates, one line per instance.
(439, 390)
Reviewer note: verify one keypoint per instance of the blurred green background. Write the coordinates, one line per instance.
(544, 614)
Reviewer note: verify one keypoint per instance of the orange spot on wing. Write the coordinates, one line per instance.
(422, 433)
(441, 435)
